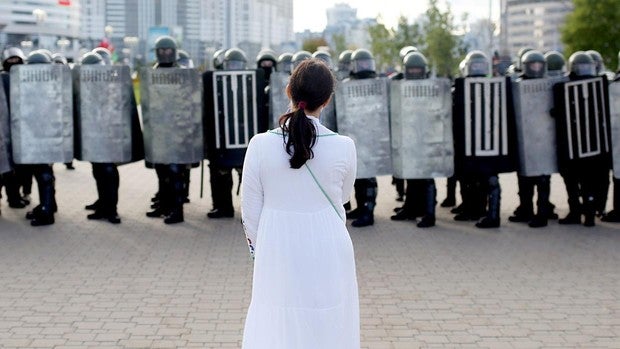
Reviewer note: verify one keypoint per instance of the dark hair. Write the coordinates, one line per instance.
(311, 85)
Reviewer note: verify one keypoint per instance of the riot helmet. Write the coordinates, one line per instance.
(580, 64)
(285, 62)
(166, 50)
(362, 64)
(522, 51)
(416, 66)
(300, 56)
(476, 64)
(325, 57)
(11, 57)
(105, 54)
(57, 58)
(235, 59)
(533, 64)
(405, 50)
(218, 59)
(38, 57)
(556, 65)
(598, 61)
(267, 61)
(92, 58)
(185, 61)
(344, 61)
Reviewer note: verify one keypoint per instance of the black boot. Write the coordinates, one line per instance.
(614, 215)
(368, 187)
(366, 218)
(589, 211)
(175, 216)
(430, 198)
(450, 199)
(543, 186)
(491, 220)
(45, 181)
(177, 183)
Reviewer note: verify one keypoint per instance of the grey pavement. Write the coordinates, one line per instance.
(142, 284)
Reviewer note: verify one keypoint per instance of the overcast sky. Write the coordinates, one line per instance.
(310, 14)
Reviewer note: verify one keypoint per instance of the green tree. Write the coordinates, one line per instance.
(382, 45)
(340, 42)
(594, 25)
(311, 45)
(442, 46)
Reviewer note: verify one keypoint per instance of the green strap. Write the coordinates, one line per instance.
(323, 191)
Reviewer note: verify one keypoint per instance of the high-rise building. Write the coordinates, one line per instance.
(532, 23)
(41, 23)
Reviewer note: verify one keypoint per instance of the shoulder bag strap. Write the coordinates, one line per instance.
(323, 191)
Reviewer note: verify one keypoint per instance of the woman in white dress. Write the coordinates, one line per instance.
(295, 180)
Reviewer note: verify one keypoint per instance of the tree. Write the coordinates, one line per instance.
(311, 45)
(381, 45)
(594, 25)
(340, 42)
(441, 44)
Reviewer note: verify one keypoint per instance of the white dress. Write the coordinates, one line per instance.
(304, 292)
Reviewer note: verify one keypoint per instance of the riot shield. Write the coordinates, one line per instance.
(421, 128)
(328, 116)
(533, 101)
(614, 112)
(104, 112)
(232, 114)
(171, 102)
(583, 131)
(278, 100)
(362, 113)
(5, 134)
(483, 126)
(41, 114)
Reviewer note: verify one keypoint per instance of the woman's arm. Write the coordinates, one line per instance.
(251, 194)
(351, 172)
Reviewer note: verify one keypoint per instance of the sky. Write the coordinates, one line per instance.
(310, 14)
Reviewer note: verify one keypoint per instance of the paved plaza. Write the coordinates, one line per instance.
(142, 284)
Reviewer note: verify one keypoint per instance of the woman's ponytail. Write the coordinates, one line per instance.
(299, 135)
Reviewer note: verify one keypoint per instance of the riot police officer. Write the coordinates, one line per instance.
(285, 63)
(556, 65)
(267, 61)
(105, 54)
(105, 174)
(363, 67)
(533, 65)
(300, 56)
(171, 177)
(344, 65)
(582, 173)
(221, 177)
(476, 169)
(43, 214)
(185, 61)
(421, 195)
(218, 59)
(614, 214)
(325, 57)
(20, 176)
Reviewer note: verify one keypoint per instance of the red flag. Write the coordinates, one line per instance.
(64, 2)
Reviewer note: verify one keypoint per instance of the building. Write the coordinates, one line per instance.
(532, 23)
(342, 22)
(54, 25)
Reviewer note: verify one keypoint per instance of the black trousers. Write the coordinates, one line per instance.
(221, 181)
(107, 180)
(171, 179)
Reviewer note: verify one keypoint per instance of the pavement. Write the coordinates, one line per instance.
(143, 284)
